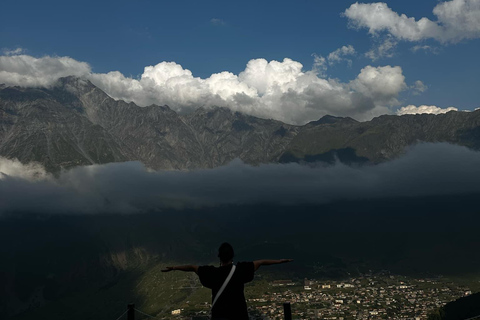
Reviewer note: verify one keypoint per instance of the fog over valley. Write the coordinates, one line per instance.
(130, 187)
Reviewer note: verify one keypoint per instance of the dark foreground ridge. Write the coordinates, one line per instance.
(75, 123)
(53, 266)
(467, 308)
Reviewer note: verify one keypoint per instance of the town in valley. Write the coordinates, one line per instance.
(369, 296)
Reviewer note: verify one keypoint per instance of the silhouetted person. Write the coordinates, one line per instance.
(231, 303)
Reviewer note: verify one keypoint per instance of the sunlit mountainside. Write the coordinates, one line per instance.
(74, 123)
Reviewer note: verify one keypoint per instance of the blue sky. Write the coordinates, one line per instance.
(209, 37)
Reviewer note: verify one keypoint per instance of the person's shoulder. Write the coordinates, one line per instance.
(245, 264)
(207, 267)
(246, 271)
(207, 274)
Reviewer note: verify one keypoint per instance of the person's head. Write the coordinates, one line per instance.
(225, 252)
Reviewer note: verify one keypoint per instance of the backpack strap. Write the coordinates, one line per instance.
(224, 285)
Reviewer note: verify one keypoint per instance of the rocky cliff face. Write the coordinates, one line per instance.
(51, 128)
(386, 137)
(225, 135)
(75, 123)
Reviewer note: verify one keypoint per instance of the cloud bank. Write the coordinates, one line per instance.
(426, 169)
(28, 71)
(269, 89)
(456, 20)
(411, 109)
(30, 171)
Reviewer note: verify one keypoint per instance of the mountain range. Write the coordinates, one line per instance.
(75, 123)
(53, 265)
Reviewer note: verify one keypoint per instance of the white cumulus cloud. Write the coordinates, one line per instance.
(28, 71)
(382, 84)
(411, 109)
(340, 54)
(270, 89)
(456, 20)
(274, 89)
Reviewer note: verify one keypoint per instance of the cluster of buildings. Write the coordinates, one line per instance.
(372, 296)
(366, 297)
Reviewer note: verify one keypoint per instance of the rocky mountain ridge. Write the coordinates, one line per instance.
(75, 123)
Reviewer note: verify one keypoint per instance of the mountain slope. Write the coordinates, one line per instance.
(155, 135)
(226, 135)
(75, 123)
(385, 137)
(34, 126)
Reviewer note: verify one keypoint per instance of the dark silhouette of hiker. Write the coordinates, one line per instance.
(230, 303)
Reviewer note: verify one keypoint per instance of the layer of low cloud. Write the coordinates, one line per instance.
(411, 109)
(14, 168)
(282, 90)
(425, 170)
(456, 20)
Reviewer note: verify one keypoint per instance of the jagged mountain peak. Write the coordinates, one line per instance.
(75, 81)
(78, 87)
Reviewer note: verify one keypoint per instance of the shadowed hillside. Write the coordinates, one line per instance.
(57, 261)
(461, 309)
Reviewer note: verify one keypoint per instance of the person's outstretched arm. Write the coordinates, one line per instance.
(186, 268)
(258, 263)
